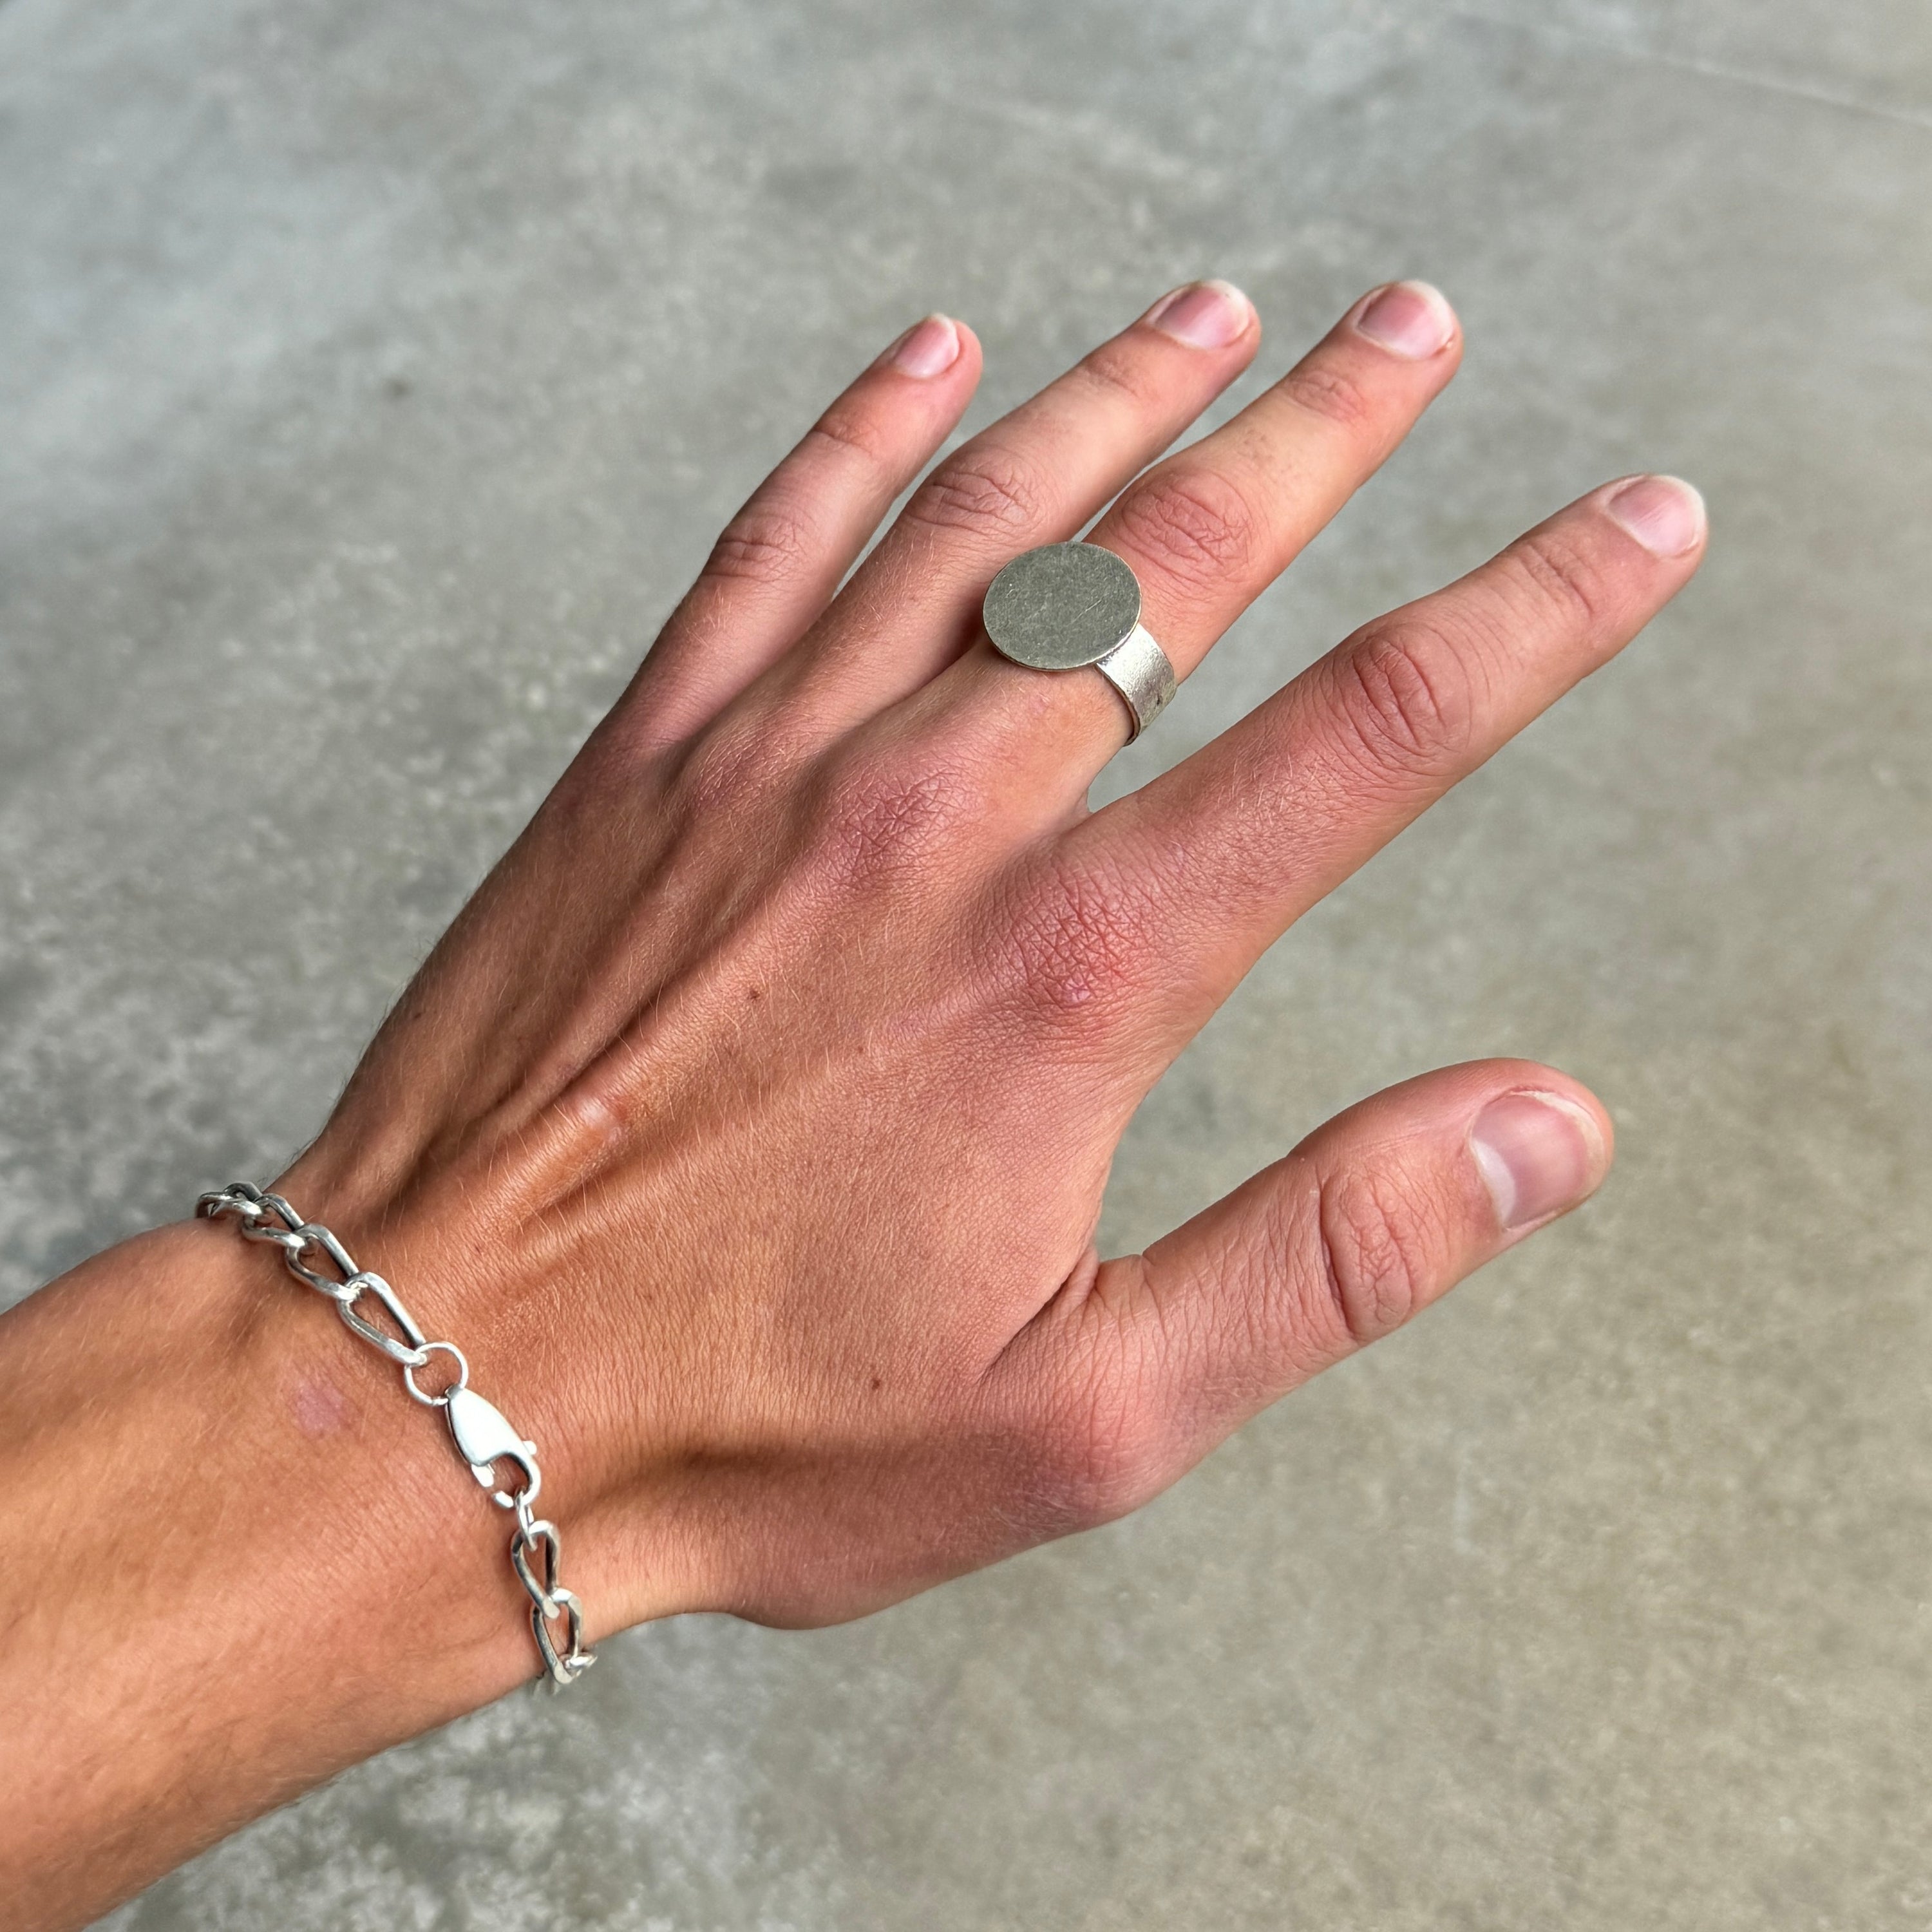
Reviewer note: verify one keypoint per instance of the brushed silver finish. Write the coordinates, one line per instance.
(1062, 607)
(1141, 671)
(1065, 607)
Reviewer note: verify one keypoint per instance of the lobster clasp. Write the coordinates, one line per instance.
(483, 1438)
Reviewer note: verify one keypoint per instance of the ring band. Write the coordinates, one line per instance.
(1139, 669)
(1065, 607)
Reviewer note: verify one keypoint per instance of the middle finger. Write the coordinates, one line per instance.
(1036, 476)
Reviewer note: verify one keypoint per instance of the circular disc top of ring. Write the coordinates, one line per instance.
(1062, 606)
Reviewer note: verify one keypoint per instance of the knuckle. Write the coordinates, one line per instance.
(847, 434)
(1193, 523)
(1555, 580)
(741, 759)
(1078, 949)
(764, 545)
(888, 819)
(1404, 696)
(1121, 373)
(1322, 390)
(1100, 1452)
(984, 489)
(1379, 1249)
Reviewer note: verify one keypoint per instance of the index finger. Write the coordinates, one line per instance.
(1237, 841)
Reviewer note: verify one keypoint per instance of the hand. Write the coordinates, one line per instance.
(749, 1129)
(773, 1078)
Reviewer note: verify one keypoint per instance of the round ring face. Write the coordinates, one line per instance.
(1062, 606)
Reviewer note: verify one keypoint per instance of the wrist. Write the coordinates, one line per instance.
(264, 1563)
(475, 1271)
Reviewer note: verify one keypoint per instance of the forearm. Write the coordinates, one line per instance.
(241, 1562)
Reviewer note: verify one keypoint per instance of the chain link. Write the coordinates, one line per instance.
(483, 1436)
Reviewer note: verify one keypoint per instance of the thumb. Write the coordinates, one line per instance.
(1372, 1218)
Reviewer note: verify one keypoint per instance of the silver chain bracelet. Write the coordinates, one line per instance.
(484, 1437)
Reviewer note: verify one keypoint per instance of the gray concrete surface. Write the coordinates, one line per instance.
(372, 378)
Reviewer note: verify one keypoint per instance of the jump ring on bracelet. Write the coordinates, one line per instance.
(462, 1375)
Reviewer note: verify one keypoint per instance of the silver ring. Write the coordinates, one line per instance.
(1064, 607)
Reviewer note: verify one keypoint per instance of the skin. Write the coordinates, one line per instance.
(749, 1127)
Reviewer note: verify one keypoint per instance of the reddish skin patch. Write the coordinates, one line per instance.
(319, 1407)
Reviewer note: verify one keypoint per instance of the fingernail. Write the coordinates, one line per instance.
(1665, 513)
(1538, 1154)
(1204, 315)
(928, 348)
(1414, 318)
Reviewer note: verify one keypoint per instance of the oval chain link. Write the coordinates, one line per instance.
(269, 1219)
(409, 1353)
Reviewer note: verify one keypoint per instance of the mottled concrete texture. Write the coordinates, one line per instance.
(373, 376)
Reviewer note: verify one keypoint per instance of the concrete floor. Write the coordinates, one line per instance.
(374, 377)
